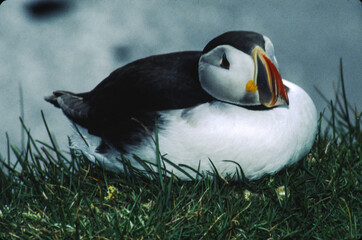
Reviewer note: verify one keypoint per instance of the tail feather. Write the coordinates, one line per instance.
(52, 99)
(73, 105)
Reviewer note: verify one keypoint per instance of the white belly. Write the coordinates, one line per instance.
(261, 142)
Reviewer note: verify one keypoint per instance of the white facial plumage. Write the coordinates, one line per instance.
(228, 84)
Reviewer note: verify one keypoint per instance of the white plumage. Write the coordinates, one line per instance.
(261, 141)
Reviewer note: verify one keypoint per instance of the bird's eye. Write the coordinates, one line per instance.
(224, 62)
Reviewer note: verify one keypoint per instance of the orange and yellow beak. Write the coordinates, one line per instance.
(267, 80)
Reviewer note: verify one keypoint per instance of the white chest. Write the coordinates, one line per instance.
(261, 142)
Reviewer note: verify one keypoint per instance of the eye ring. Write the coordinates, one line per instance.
(224, 62)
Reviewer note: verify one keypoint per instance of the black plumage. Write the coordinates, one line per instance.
(242, 40)
(118, 109)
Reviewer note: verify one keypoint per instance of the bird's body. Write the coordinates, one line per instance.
(197, 119)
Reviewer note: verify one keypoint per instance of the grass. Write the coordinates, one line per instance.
(49, 194)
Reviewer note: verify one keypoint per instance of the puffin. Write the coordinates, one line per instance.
(224, 109)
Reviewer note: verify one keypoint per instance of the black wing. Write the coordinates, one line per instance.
(135, 91)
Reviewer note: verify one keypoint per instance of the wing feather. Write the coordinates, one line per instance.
(135, 91)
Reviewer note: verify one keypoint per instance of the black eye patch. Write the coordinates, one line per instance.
(224, 62)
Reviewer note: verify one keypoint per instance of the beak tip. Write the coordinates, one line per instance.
(285, 99)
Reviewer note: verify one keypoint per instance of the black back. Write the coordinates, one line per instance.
(129, 98)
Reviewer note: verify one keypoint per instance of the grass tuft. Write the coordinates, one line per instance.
(49, 194)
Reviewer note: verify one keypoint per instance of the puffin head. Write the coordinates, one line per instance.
(240, 67)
